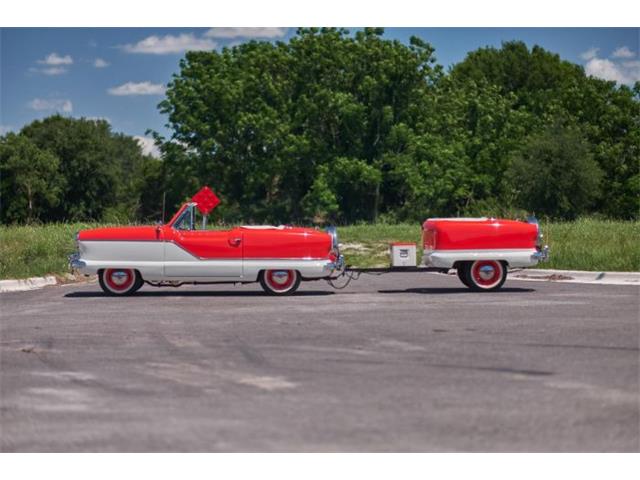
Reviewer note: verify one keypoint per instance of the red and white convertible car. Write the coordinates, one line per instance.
(178, 252)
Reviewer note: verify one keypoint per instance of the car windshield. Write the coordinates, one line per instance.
(192, 219)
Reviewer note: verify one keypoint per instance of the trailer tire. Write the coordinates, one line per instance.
(485, 275)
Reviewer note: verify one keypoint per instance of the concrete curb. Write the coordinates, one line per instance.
(32, 283)
(577, 276)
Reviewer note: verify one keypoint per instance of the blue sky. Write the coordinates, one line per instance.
(119, 73)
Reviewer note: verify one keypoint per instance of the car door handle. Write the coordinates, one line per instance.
(235, 241)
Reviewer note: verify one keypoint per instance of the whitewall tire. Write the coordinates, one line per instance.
(485, 275)
(119, 281)
(280, 282)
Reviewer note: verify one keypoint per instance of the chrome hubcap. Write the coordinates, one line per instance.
(280, 277)
(486, 272)
(119, 278)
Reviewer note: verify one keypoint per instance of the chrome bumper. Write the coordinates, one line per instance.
(542, 255)
(75, 263)
(338, 265)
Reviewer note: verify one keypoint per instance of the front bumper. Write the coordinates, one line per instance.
(76, 263)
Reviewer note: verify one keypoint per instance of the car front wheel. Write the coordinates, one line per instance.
(280, 282)
(119, 281)
(485, 275)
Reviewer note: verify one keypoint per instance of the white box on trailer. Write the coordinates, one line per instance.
(403, 254)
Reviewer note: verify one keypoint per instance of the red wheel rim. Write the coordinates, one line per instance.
(119, 280)
(280, 280)
(486, 273)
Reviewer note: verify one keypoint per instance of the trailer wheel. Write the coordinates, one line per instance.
(120, 281)
(461, 270)
(485, 275)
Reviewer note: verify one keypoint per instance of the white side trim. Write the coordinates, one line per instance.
(147, 257)
(446, 258)
(157, 261)
(307, 268)
(178, 263)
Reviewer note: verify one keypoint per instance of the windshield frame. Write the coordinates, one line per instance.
(186, 215)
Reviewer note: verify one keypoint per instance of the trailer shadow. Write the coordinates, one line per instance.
(191, 293)
(449, 290)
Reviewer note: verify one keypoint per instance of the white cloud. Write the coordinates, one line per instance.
(100, 63)
(59, 105)
(248, 32)
(148, 146)
(623, 52)
(52, 70)
(55, 59)
(625, 73)
(170, 44)
(589, 54)
(140, 88)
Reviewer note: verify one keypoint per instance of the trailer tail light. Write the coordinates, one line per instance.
(429, 238)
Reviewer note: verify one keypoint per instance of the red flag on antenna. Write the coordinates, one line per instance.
(206, 200)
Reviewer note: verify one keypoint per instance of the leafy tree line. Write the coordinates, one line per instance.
(336, 127)
(66, 169)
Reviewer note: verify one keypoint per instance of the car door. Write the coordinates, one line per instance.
(213, 255)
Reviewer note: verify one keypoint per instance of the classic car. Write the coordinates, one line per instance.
(481, 249)
(279, 257)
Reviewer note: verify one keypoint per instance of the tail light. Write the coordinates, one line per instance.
(429, 238)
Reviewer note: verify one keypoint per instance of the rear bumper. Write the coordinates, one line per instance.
(515, 258)
(337, 266)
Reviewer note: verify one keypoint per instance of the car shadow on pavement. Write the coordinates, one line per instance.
(455, 290)
(191, 293)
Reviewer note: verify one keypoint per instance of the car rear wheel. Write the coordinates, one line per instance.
(119, 281)
(485, 275)
(280, 282)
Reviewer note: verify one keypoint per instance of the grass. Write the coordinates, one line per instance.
(586, 244)
(30, 251)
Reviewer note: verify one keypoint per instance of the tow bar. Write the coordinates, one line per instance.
(353, 273)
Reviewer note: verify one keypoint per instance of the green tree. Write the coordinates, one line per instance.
(103, 171)
(271, 125)
(554, 174)
(544, 87)
(30, 184)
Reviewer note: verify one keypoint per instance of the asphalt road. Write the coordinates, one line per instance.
(400, 362)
